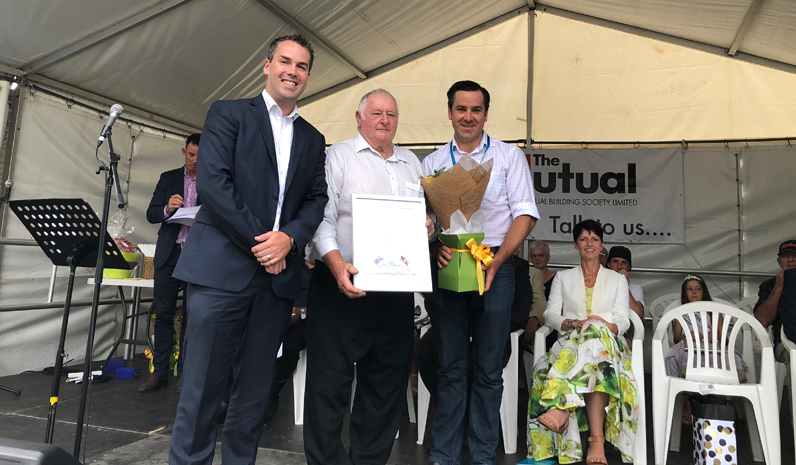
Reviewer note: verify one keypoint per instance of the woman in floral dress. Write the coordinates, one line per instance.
(585, 382)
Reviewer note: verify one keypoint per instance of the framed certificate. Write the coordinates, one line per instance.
(390, 243)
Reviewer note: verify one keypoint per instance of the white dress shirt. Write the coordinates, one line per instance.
(510, 190)
(354, 167)
(282, 129)
(636, 292)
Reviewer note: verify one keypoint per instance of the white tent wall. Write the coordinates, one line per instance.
(54, 159)
(495, 58)
(599, 84)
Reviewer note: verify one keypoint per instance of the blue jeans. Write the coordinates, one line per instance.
(455, 317)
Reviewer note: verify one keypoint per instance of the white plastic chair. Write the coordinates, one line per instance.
(637, 363)
(508, 404)
(719, 379)
(659, 305)
(299, 386)
(792, 352)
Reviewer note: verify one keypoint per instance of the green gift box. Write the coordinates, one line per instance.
(460, 274)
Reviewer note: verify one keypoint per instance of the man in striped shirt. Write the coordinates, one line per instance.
(510, 214)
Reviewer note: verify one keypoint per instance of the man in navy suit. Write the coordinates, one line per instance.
(175, 189)
(262, 182)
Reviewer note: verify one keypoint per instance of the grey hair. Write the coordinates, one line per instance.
(540, 245)
(364, 100)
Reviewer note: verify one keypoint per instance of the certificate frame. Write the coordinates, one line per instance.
(390, 243)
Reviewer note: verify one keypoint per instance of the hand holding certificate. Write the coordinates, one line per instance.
(184, 215)
(390, 243)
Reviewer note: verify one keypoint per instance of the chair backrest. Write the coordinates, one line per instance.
(712, 359)
(747, 304)
(659, 305)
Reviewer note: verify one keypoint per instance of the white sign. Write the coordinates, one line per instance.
(636, 194)
(390, 243)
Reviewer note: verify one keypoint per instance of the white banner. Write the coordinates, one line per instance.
(636, 194)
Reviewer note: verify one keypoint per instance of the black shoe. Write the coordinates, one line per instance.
(272, 406)
(154, 383)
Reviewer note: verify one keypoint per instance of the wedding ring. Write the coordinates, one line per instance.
(267, 257)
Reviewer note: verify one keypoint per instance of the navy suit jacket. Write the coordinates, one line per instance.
(787, 305)
(170, 183)
(238, 182)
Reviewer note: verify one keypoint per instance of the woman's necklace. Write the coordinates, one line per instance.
(587, 277)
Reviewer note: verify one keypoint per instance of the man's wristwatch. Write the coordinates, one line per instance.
(570, 325)
(292, 244)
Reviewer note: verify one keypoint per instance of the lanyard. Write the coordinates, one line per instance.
(488, 143)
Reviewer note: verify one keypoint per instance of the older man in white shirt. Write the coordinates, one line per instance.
(346, 326)
(510, 214)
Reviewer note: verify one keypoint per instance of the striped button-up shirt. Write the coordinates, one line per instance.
(188, 200)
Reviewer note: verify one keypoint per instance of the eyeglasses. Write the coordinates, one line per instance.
(603, 254)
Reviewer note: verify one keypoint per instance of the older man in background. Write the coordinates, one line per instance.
(346, 326)
(768, 307)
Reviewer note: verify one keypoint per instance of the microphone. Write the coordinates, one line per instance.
(7, 195)
(116, 110)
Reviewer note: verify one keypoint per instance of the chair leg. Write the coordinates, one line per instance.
(752, 423)
(677, 424)
(423, 399)
(299, 384)
(662, 409)
(768, 426)
(508, 404)
(410, 403)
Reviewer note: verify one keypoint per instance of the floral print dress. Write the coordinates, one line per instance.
(589, 359)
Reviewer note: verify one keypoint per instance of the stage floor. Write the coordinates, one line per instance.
(130, 428)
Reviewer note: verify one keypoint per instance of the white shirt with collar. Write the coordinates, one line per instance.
(510, 190)
(354, 167)
(282, 129)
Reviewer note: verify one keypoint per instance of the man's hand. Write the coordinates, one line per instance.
(343, 275)
(625, 274)
(530, 329)
(429, 226)
(277, 267)
(273, 246)
(175, 202)
(780, 281)
(443, 256)
(295, 316)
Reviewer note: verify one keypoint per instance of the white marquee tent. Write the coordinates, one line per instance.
(564, 71)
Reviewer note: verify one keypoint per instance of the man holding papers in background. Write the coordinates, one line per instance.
(175, 189)
(510, 214)
(344, 324)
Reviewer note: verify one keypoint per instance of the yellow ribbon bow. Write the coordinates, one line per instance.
(148, 354)
(481, 254)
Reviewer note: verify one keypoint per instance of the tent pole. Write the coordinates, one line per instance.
(11, 148)
(529, 91)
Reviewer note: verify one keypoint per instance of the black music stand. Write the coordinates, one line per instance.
(68, 232)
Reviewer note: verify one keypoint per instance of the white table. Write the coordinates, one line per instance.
(130, 331)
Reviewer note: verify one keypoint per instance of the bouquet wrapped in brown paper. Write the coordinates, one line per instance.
(460, 188)
(456, 197)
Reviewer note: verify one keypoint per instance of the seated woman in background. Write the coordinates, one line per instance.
(540, 257)
(693, 289)
(589, 365)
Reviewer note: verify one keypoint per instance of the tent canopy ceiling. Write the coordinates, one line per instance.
(175, 57)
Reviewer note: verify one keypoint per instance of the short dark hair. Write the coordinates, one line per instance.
(697, 278)
(587, 225)
(297, 38)
(467, 86)
(193, 139)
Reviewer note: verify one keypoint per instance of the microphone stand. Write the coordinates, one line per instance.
(111, 176)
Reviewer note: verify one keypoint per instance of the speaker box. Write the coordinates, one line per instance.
(33, 453)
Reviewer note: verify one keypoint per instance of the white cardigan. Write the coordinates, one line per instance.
(568, 299)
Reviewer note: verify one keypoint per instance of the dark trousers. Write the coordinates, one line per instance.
(294, 342)
(165, 292)
(242, 330)
(376, 333)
